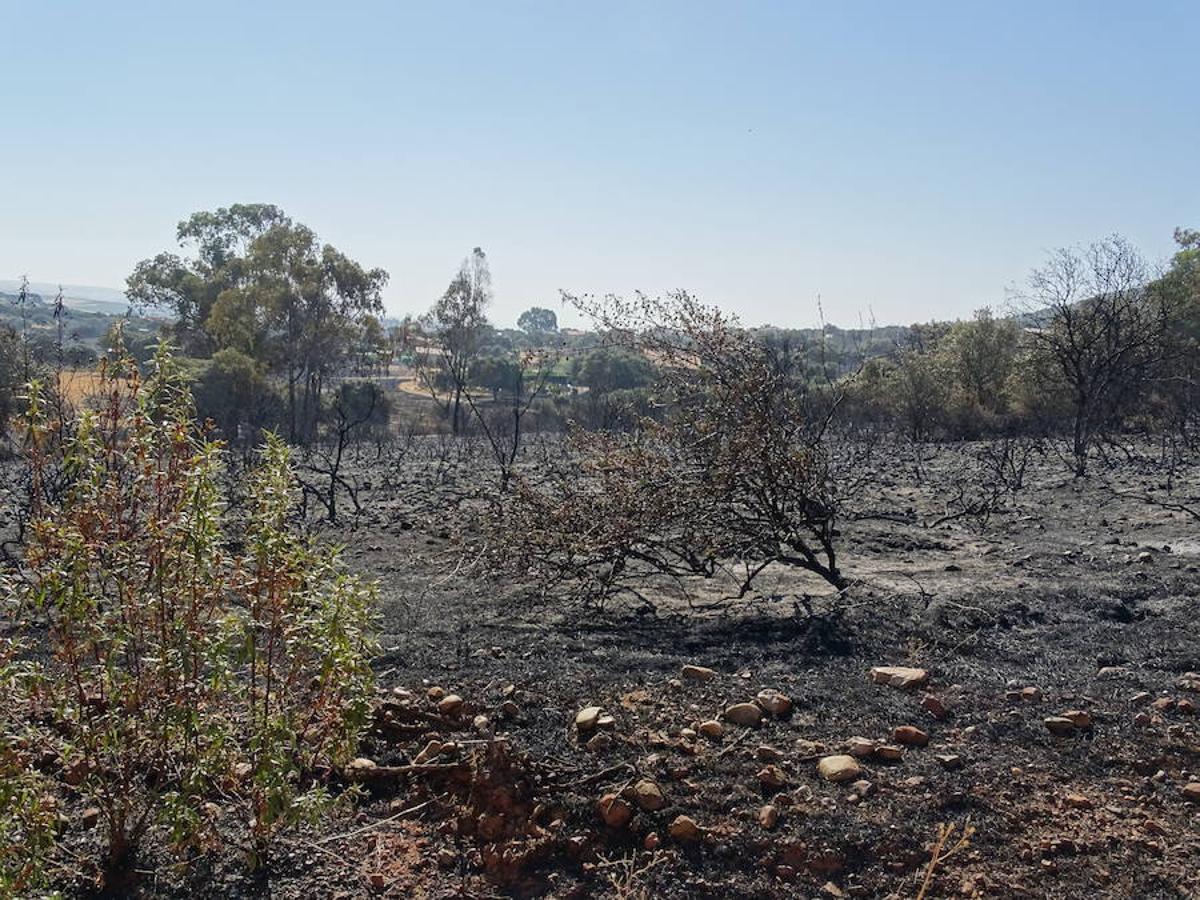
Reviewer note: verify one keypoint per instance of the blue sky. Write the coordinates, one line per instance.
(902, 161)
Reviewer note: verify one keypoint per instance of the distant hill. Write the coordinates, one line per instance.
(75, 296)
(86, 320)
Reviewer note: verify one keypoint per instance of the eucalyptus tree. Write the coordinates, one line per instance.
(264, 285)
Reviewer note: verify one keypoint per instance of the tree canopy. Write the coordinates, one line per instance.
(264, 285)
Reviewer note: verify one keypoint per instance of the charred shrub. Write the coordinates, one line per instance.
(730, 477)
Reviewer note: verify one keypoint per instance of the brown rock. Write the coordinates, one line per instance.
(889, 752)
(1163, 704)
(861, 747)
(359, 768)
(1078, 801)
(450, 704)
(863, 788)
(768, 754)
(615, 812)
(712, 728)
(910, 736)
(949, 761)
(698, 673)
(1031, 695)
(588, 717)
(935, 707)
(1191, 791)
(772, 777)
(435, 693)
(768, 816)
(775, 703)
(744, 714)
(839, 768)
(684, 828)
(1186, 706)
(649, 796)
(902, 677)
(1079, 718)
(90, 817)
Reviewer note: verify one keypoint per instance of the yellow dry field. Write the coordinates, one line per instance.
(79, 384)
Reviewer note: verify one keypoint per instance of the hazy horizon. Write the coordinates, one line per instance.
(904, 165)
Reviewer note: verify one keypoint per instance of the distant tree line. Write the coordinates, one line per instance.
(1097, 345)
(281, 331)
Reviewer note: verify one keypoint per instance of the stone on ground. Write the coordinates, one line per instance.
(744, 714)
(615, 812)
(902, 677)
(775, 703)
(587, 718)
(698, 673)
(649, 795)
(839, 768)
(684, 828)
(910, 736)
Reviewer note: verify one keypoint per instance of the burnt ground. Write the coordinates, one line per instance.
(1081, 589)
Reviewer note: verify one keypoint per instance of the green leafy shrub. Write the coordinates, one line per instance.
(27, 813)
(180, 671)
(304, 652)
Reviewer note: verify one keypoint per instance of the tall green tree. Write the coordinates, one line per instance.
(189, 287)
(982, 352)
(265, 286)
(538, 321)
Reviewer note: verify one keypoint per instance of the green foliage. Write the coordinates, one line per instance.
(129, 567)
(496, 373)
(538, 321)
(11, 375)
(955, 380)
(265, 286)
(361, 409)
(237, 396)
(981, 353)
(27, 813)
(612, 369)
(304, 645)
(182, 673)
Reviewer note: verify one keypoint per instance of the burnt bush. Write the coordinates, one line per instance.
(731, 476)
